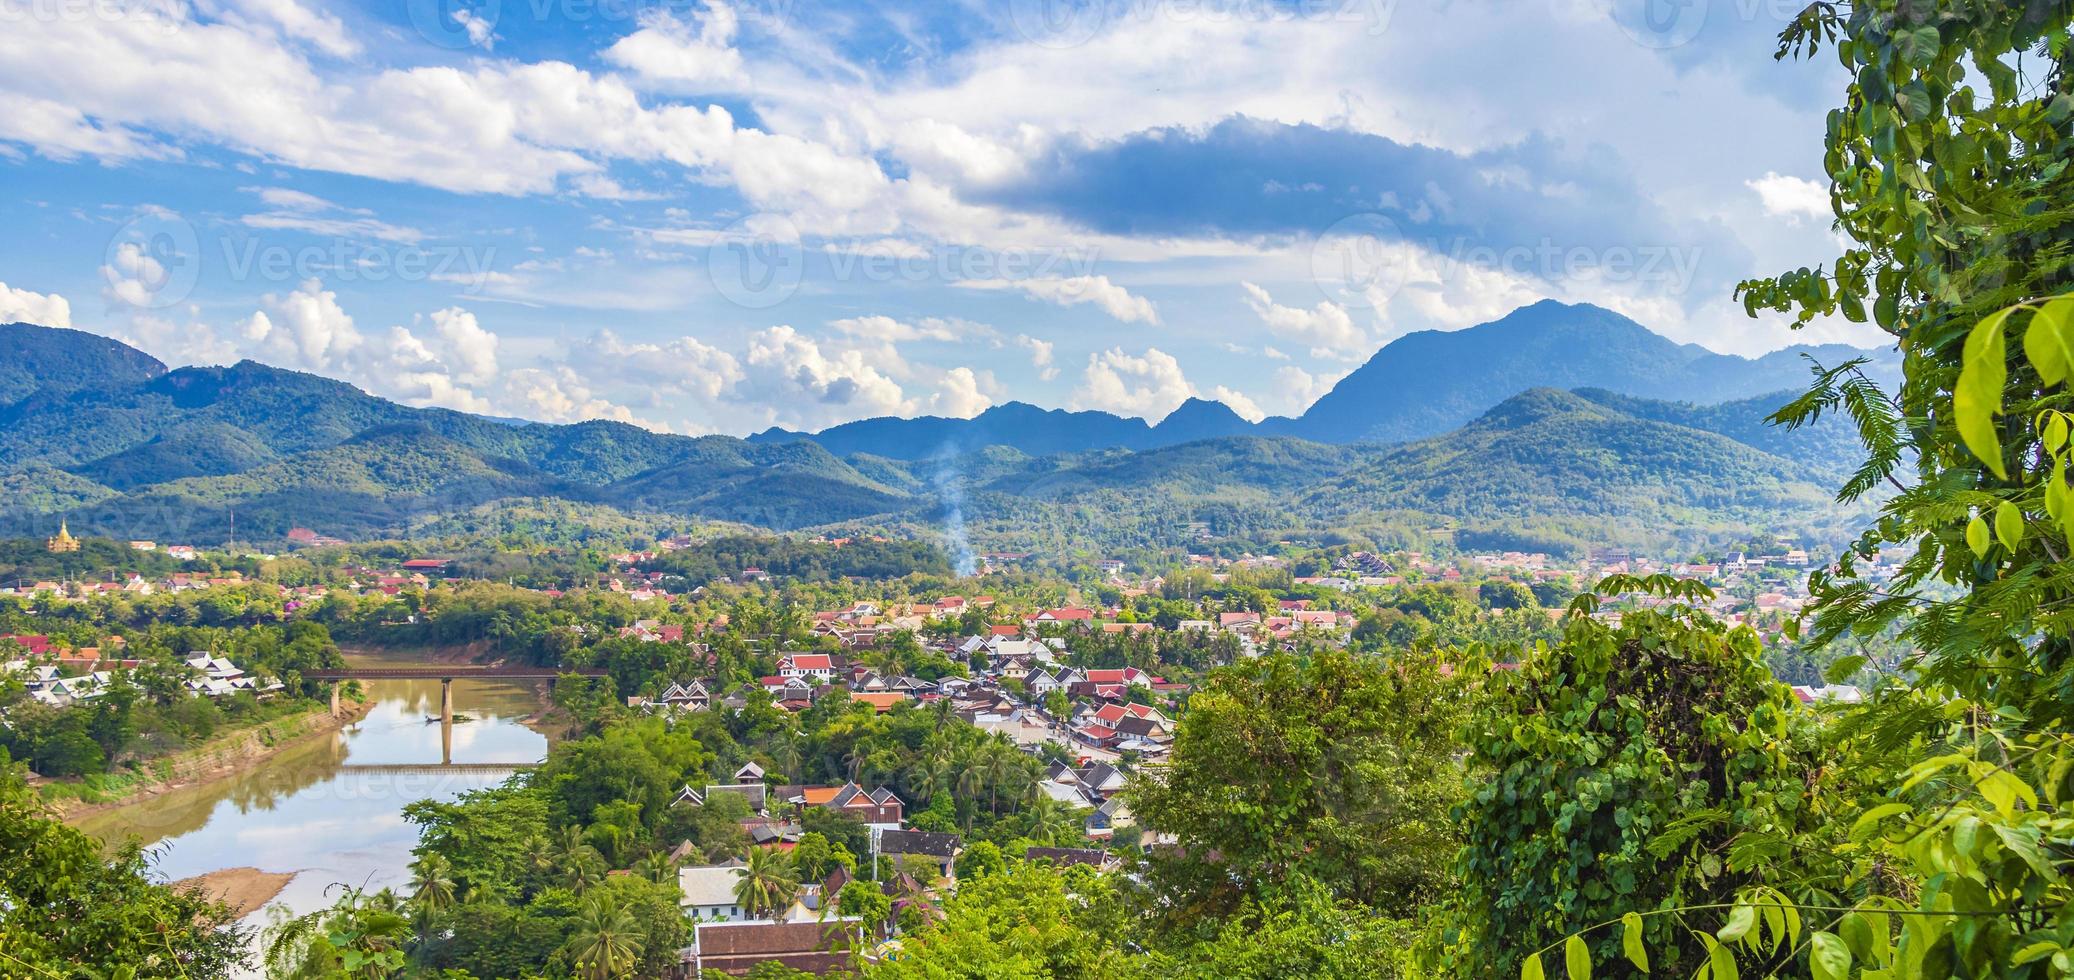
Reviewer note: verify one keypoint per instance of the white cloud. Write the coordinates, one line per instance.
(1149, 386)
(132, 277)
(674, 51)
(1326, 328)
(307, 329)
(1792, 198)
(685, 365)
(333, 227)
(472, 349)
(1111, 298)
(23, 306)
(319, 29)
(795, 378)
(304, 329)
(1238, 402)
(301, 211)
(1040, 356)
(175, 343)
(293, 200)
(62, 132)
(403, 366)
(960, 396)
(559, 394)
(885, 329)
(481, 30)
(1295, 389)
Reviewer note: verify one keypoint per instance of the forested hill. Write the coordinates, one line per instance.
(34, 358)
(173, 455)
(1419, 385)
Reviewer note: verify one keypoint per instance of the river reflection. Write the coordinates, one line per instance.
(311, 810)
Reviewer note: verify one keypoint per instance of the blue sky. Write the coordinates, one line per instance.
(707, 216)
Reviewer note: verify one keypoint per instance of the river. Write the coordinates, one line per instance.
(312, 811)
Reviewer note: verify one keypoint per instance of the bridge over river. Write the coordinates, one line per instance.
(445, 674)
(435, 768)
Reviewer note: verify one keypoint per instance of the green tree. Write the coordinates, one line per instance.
(1612, 773)
(768, 883)
(1948, 162)
(607, 941)
(68, 908)
(432, 882)
(1030, 921)
(814, 856)
(980, 859)
(864, 900)
(1310, 935)
(490, 839)
(1332, 768)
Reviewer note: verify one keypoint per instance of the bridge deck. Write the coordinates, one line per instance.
(437, 767)
(452, 672)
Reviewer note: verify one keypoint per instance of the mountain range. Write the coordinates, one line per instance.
(1419, 385)
(109, 438)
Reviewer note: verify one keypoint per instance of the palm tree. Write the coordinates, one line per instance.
(432, 889)
(926, 777)
(579, 863)
(855, 759)
(972, 777)
(657, 867)
(608, 941)
(1051, 822)
(768, 884)
(788, 757)
(1000, 763)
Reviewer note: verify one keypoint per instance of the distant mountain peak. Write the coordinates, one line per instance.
(1201, 418)
(1536, 404)
(35, 358)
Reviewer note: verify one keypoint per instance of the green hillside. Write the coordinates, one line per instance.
(54, 360)
(175, 454)
(1550, 468)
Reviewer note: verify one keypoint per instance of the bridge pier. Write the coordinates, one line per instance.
(335, 685)
(446, 720)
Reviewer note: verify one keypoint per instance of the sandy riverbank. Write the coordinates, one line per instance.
(245, 889)
(221, 757)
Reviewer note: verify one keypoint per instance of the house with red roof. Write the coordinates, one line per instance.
(816, 665)
(1072, 615)
(36, 644)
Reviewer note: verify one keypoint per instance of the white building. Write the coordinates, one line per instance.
(708, 892)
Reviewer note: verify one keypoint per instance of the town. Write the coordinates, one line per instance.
(1082, 676)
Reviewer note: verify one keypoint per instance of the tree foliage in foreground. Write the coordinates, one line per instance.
(70, 909)
(1949, 170)
(1333, 769)
(1648, 767)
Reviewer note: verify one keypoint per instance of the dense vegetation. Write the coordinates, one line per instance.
(66, 904)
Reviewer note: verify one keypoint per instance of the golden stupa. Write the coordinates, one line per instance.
(63, 541)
